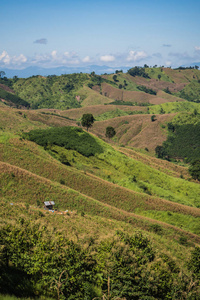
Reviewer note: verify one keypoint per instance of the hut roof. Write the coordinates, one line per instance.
(48, 203)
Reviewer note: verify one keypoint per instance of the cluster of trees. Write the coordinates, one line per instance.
(138, 71)
(183, 142)
(146, 90)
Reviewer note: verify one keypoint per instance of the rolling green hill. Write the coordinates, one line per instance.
(76, 90)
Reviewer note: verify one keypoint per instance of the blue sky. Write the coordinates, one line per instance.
(115, 33)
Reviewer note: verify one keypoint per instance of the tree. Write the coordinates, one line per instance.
(162, 111)
(194, 170)
(110, 132)
(2, 74)
(153, 118)
(87, 120)
(115, 78)
(159, 76)
(160, 151)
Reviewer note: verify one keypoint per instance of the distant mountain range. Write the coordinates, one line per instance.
(33, 71)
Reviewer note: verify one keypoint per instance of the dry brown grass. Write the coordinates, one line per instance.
(182, 77)
(136, 130)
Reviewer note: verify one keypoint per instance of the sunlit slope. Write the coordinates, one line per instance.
(136, 130)
(110, 165)
(70, 188)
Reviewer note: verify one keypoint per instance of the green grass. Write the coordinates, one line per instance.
(173, 107)
(154, 72)
(188, 223)
(191, 92)
(112, 114)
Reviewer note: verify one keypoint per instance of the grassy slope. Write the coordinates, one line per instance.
(84, 175)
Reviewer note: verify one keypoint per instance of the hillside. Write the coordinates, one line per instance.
(125, 223)
(157, 86)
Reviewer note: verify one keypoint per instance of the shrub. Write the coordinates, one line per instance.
(73, 138)
(110, 132)
(194, 263)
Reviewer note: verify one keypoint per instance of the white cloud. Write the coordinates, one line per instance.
(168, 63)
(136, 55)
(5, 58)
(66, 54)
(197, 48)
(86, 59)
(19, 59)
(107, 58)
(54, 54)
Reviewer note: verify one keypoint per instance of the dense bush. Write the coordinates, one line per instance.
(36, 261)
(68, 137)
(146, 90)
(137, 71)
(195, 169)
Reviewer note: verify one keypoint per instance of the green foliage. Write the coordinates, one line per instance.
(40, 256)
(137, 71)
(167, 91)
(110, 132)
(191, 92)
(68, 137)
(194, 263)
(146, 90)
(38, 261)
(51, 92)
(160, 151)
(183, 142)
(115, 78)
(87, 120)
(153, 118)
(194, 169)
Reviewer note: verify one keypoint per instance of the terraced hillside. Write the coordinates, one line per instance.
(125, 223)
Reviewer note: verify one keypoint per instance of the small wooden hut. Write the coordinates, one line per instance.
(49, 204)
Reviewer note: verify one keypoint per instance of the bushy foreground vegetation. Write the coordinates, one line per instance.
(37, 260)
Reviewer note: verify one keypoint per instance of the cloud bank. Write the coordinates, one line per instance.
(69, 58)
